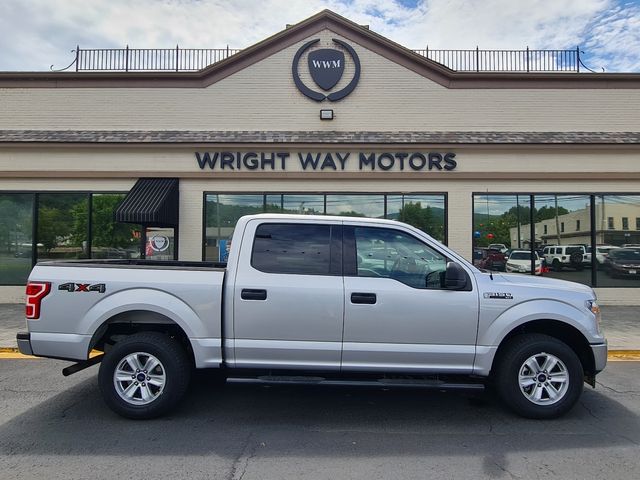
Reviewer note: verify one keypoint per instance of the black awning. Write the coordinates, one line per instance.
(151, 202)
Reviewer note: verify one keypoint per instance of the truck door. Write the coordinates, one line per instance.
(289, 296)
(398, 317)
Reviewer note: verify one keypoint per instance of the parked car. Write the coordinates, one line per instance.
(519, 261)
(498, 246)
(293, 298)
(602, 251)
(558, 257)
(492, 260)
(623, 262)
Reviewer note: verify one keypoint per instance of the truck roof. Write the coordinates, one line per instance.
(289, 217)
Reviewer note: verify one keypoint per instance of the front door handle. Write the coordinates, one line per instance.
(363, 298)
(253, 294)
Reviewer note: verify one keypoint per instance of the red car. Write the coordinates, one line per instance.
(492, 260)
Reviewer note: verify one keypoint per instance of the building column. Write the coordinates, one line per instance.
(191, 210)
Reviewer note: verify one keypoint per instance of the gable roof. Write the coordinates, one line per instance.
(325, 19)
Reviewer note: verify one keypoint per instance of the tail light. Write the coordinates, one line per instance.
(36, 291)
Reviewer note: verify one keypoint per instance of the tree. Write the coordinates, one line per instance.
(422, 218)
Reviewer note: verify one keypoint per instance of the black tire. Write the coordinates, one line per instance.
(511, 363)
(555, 265)
(174, 368)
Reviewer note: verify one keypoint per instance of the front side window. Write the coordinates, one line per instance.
(292, 249)
(387, 253)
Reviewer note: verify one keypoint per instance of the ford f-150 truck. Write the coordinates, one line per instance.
(319, 299)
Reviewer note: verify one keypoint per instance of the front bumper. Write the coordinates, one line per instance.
(24, 343)
(599, 356)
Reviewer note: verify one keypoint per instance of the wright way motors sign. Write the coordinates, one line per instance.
(326, 161)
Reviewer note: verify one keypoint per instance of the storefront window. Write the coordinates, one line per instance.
(502, 234)
(426, 212)
(111, 239)
(617, 247)
(423, 211)
(16, 227)
(221, 215)
(371, 206)
(558, 245)
(69, 226)
(63, 227)
(296, 204)
(566, 247)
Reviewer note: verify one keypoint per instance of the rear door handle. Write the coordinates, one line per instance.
(364, 298)
(253, 294)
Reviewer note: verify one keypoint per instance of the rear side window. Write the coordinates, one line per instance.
(292, 248)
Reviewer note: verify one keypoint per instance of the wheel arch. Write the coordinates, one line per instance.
(130, 322)
(560, 330)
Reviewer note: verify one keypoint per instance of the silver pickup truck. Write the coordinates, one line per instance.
(326, 300)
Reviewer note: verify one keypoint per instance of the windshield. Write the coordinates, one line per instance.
(523, 256)
(626, 254)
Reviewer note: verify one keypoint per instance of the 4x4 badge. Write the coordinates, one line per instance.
(83, 287)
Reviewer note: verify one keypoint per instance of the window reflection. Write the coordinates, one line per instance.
(16, 226)
(111, 239)
(222, 212)
(371, 206)
(63, 226)
(618, 244)
(296, 204)
(426, 212)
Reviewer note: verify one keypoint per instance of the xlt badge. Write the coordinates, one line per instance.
(498, 295)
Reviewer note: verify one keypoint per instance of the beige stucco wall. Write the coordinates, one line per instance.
(263, 96)
(59, 160)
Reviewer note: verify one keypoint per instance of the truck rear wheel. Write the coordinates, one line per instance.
(539, 376)
(144, 375)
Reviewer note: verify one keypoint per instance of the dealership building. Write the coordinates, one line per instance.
(107, 161)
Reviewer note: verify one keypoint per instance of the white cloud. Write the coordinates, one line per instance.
(614, 41)
(37, 33)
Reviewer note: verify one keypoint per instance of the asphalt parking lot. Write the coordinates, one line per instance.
(57, 427)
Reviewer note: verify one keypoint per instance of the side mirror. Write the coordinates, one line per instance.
(455, 278)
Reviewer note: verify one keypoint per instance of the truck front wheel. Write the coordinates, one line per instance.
(539, 376)
(144, 375)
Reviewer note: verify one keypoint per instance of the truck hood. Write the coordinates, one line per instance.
(530, 281)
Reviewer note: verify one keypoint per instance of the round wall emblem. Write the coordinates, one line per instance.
(159, 243)
(326, 66)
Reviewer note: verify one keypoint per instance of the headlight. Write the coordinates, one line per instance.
(594, 308)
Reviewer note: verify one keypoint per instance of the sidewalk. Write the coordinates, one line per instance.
(621, 326)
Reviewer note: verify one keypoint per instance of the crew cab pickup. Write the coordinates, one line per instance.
(318, 299)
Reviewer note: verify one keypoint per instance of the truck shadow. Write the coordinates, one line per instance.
(290, 421)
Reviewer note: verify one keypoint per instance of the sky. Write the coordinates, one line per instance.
(38, 34)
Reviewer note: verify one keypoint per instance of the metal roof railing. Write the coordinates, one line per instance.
(193, 59)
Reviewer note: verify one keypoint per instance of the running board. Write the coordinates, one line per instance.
(381, 383)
